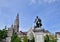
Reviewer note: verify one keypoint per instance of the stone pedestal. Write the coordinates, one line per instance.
(8, 39)
(58, 40)
(39, 35)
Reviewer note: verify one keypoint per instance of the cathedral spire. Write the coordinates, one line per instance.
(17, 17)
(17, 20)
(16, 23)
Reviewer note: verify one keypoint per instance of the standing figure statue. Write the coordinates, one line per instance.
(38, 22)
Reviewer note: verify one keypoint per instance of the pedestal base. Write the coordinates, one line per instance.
(39, 35)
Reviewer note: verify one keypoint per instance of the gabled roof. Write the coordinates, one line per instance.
(58, 33)
(23, 33)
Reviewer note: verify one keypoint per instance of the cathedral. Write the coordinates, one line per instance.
(13, 28)
(38, 32)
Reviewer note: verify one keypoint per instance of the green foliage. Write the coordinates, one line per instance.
(53, 38)
(15, 38)
(0, 34)
(33, 39)
(46, 38)
(25, 39)
(3, 34)
(50, 38)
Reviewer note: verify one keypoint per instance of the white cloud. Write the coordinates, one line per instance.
(42, 1)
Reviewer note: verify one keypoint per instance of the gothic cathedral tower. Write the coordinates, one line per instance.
(16, 24)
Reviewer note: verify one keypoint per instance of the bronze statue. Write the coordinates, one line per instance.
(38, 22)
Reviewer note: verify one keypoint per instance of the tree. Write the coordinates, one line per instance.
(53, 38)
(33, 39)
(25, 39)
(46, 38)
(0, 35)
(3, 34)
(50, 38)
(15, 38)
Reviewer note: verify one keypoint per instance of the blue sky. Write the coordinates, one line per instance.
(47, 10)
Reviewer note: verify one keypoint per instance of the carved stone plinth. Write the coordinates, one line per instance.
(39, 35)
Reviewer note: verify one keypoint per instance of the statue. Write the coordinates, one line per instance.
(38, 22)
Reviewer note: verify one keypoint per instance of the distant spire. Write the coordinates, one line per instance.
(5, 27)
(16, 23)
(12, 26)
(17, 17)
